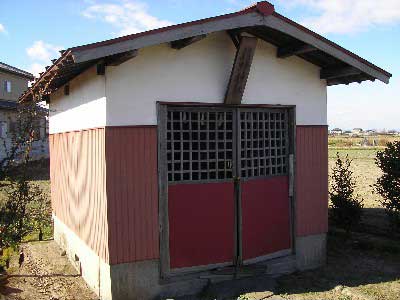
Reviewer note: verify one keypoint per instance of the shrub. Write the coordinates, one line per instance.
(346, 207)
(388, 184)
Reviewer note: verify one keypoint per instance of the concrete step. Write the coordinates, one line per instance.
(227, 284)
(232, 273)
(231, 289)
(281, 266)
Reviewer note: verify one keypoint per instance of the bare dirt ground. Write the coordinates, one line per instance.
(45, 274)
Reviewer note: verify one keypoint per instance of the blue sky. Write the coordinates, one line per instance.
(32, 32)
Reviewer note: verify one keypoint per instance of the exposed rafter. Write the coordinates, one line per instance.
(338, 72)
(117, 59)
(290, 50)
(179, 44)
(101, 68)
(235, 37)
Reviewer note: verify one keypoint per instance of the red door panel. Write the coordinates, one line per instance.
(265, 216)
(201, 224)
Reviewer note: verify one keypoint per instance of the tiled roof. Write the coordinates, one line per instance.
(16, 71)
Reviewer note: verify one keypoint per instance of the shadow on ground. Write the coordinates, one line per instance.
(360, 260)
(6, 290)
(37, 170)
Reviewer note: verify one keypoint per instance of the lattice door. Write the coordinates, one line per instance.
(265, 205)
(263, 142)
(226, 172)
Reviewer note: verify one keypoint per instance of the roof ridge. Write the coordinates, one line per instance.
(262, 7)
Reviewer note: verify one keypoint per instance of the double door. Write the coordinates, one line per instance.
(224, 186)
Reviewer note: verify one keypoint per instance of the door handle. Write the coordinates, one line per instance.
(228, 164)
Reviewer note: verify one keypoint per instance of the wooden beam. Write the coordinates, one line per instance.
(240, 70)
(117, 59)
(290, 50)
(179, 44)
(46, 98)
(66, 89)
(101, 68)
(338, 72)
(235, 37)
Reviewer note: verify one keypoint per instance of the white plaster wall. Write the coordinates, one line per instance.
(128, 93)
(291, 81)
(83, 108)
(200, 73)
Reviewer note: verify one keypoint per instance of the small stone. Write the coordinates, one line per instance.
(338, 288)
(63, 253)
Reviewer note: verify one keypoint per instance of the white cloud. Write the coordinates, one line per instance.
(2, 29)
(41, 53)
(36, 68)
(344, 16)
(127, 17)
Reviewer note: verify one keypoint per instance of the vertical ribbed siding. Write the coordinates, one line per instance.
(132, 191)
(311, 180)
(78, 173)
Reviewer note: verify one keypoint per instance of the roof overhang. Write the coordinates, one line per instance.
(338, 65)
(18, 72)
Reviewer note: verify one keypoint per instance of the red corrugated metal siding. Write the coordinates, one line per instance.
(311, 180)
(132, 191)
(77, 172)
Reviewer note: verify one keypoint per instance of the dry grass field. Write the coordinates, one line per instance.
(365, 171)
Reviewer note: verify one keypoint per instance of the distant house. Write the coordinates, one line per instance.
(357, 131)
(370, 132)
(336, 131)
(14, 82)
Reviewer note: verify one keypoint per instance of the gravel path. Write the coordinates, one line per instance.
(45, 274)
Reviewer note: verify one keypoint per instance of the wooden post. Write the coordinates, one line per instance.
(240, 70)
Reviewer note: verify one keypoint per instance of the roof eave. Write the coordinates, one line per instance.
(26, 76)
(274, 21)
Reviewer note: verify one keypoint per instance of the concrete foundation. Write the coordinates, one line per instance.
(94, 270)
(141, 280)
(310, 251)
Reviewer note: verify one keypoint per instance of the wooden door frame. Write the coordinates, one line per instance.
(163, 215)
